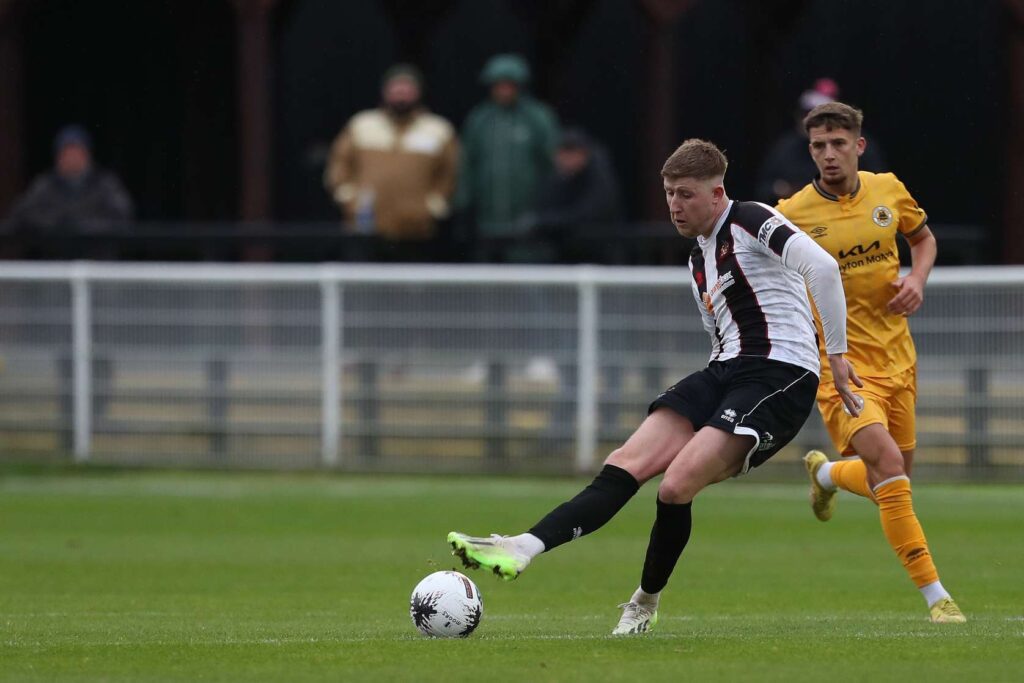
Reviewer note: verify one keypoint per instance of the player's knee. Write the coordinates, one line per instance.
(887, 464)
(619, 457)
(624, 458)
(677, 490)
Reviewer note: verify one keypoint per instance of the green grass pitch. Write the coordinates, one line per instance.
(140, 576)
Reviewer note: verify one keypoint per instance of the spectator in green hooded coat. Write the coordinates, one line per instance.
(509, 143)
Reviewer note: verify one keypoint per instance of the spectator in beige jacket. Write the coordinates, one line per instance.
(392, 170)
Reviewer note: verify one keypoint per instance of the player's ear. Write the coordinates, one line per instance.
(862, 144)
(718, 189)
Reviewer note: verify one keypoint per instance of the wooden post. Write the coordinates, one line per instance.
(1013, 207)
(254, 106)
(12, 111)
(659, 99)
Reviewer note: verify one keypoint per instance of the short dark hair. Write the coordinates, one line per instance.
(695, 158)
(834, 115)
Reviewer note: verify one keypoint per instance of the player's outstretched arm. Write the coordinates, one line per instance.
(821, 273)
(910, 288)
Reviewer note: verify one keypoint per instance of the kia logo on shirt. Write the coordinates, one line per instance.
(859, 250)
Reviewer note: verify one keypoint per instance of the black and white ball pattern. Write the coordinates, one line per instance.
(446, 605)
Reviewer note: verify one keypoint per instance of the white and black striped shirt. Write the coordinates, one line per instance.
(749, 284)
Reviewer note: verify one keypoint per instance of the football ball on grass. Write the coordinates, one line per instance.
(446, 605)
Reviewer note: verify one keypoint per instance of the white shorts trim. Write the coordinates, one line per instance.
(747, 431)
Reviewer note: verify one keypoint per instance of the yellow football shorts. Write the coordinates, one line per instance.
(889, 401)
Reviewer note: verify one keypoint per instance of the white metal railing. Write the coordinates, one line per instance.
(993, 344)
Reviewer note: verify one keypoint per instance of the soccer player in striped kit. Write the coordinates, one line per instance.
(855, 216)
(750, 273)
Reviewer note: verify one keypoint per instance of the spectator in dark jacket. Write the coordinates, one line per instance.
(76, 196)
(581, 195)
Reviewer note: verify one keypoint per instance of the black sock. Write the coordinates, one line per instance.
(669, 535)
(589, 510)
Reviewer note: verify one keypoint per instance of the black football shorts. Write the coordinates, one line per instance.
(749, 395)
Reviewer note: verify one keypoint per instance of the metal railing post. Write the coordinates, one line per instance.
(81, 360)
(586, 393)
(330, 376)
(978, 410)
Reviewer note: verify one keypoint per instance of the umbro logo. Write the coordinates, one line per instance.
(915, 553)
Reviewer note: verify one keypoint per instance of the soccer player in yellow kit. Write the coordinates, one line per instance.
(855, 215)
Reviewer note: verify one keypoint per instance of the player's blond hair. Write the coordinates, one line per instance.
(695, 158)
(834, 115)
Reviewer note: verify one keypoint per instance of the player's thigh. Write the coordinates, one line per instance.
(673, 417)
(652, 447)
(711, 456)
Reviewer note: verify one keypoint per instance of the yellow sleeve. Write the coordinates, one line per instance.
(912, 216)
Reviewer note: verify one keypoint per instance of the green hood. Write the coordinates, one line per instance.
(508, 67)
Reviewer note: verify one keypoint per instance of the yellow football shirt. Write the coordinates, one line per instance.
(859, 230)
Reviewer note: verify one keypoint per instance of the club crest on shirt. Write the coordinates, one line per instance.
(706, 298)
(723, 251)
(882, 216)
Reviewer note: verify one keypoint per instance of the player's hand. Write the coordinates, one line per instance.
(909, 295)
(842, 375)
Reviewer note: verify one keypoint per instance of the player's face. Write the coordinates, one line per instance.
(836, 153)
(694, 204)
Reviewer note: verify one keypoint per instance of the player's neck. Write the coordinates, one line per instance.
(714, 219)
(848, 186)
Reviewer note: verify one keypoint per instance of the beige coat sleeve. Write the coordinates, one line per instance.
(446, 172)
(340, 172)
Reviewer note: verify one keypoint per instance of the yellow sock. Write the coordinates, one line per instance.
(903, 531)
(852, 476)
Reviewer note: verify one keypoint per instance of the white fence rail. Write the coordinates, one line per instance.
(429, 368)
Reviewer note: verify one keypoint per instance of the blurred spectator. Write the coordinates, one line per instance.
(787, 166)
(509, 141)
(580, 194)
(392, 170)
(77, 196)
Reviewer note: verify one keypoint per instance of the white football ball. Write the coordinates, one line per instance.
(446, 605)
